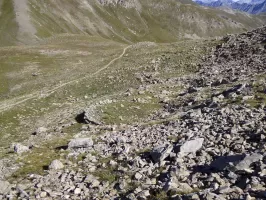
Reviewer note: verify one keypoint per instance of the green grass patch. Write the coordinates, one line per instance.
(8, 25)
(129, 111)
(39, 158)
(108, 175)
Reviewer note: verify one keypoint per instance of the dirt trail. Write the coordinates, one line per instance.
(36, 95)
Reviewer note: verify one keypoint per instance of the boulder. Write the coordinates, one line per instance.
(191, 146)
(80, 143)
(40, 130)
(19, 148)
(247, 161)
(223, 162)
(90, 116)
(4, 187)
(236, 162)
(159, 153)
(56, 164)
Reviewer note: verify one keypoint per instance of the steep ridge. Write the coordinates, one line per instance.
(127, 21)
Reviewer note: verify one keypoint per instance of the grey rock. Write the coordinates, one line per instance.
(122, 185)
(22, 192)
(95, 183)
(77, 191)
(131, 196)
(5, 187)
(112, 163)
(247, 161)
(192, 145)
(138, 176)
(80, 143)
(236, 162)
(40, 130)
(225, 190)
(19, 148)
(56, 165)
(143, 194)
(159, 153)
(212, 196)
(91, 116)
(223, 162)
(174, 184)
(43, 194)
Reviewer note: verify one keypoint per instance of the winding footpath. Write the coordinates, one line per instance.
(50, 91)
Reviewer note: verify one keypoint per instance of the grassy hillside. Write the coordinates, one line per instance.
(8, 25)
(160, 21)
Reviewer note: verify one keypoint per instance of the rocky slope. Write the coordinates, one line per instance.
(209, 144)
(29, 21)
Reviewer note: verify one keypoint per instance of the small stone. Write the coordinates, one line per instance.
(212, 196)
(43, 194)
(77, 191)
(175, 185)
(144, 194)
(112, 163)
(95, 183)
(138, 176)
(225, 190)
(56, 165)
(122, 185)
(131, 196)
(92, 169)
(263, 172)
(248, 197)
(4, 187)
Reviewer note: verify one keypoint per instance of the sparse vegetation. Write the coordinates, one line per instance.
(99, 58)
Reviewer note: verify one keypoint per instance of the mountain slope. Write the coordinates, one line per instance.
(205, 141)
(252, 7)
(132, 21)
